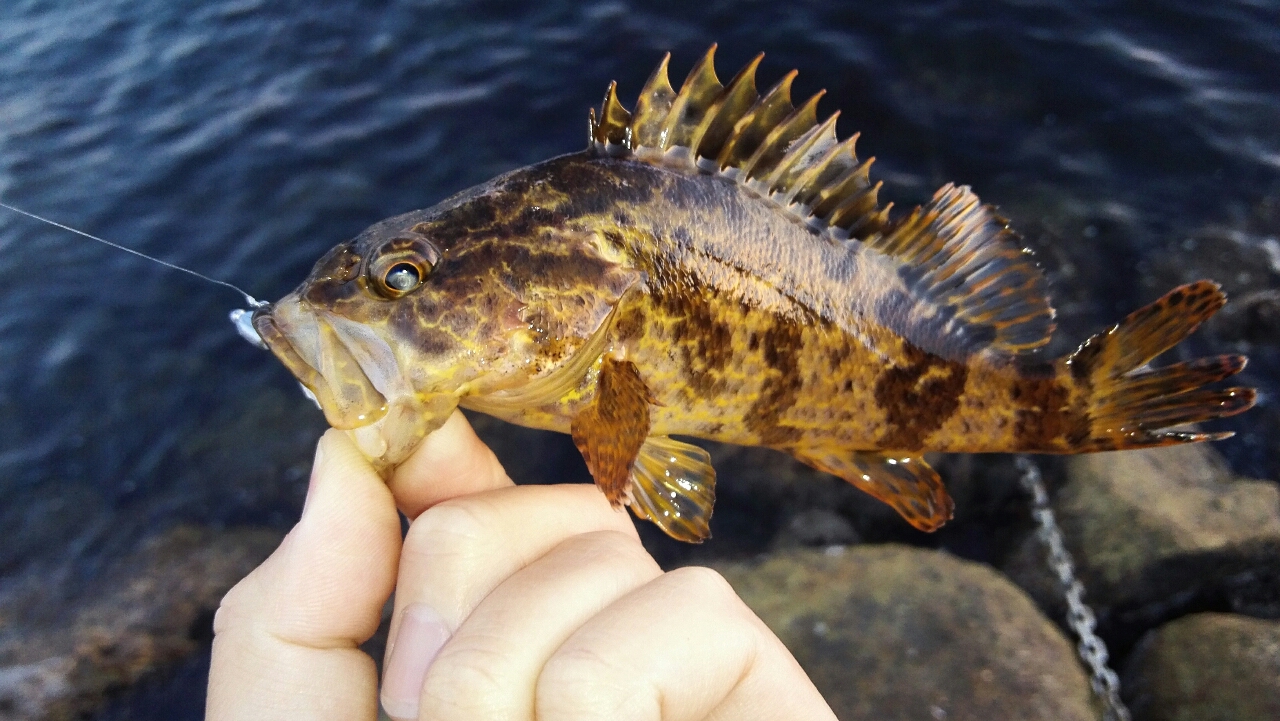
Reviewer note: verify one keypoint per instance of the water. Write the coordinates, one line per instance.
(244, 138)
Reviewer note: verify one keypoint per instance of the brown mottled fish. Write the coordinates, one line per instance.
(717, 264)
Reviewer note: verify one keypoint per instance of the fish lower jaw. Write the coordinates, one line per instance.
(389, 440)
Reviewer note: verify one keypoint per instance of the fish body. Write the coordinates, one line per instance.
(717, 265)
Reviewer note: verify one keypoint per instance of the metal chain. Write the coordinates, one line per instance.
(1092, 649)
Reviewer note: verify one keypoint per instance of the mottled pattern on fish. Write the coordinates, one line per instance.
(718, 265)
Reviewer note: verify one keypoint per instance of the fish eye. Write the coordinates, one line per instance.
(403, 277)
(402, 264)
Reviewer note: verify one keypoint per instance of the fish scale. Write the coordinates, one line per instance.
(717, 265)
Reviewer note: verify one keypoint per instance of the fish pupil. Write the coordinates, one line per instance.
(403, 277)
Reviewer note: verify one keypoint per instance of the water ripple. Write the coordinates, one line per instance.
(244, 138)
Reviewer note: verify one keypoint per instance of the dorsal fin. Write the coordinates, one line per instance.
(954, 252)
(964, 259)
(763, 141)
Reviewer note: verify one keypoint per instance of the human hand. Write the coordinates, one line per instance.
(512, 603)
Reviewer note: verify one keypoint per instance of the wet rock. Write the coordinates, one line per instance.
(60, 658)
(1253, 317)
(816, 528)
(893, 632)
(1206, 667)
(1158, 533)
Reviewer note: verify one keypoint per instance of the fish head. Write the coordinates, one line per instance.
(396, 328)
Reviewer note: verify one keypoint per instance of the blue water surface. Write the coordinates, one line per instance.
(245, 137)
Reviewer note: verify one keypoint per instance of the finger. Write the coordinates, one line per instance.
(285, 637)
(457, 552)
(489, 668)
(450, 462)
(681, 648)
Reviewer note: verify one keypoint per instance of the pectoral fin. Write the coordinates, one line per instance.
(665, 481)
(906, 483)
(610, 431)
(674, 485)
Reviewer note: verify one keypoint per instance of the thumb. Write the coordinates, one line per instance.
(452, 461)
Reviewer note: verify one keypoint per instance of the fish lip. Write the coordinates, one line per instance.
(279, 344)
(350, 401)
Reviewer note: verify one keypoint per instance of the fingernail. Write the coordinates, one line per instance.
(421, 636)
(315, 470)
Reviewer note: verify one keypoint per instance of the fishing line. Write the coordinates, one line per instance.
(253, 302)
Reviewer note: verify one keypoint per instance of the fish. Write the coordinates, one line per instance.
(717, 265)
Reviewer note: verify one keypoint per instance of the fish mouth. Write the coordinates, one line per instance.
(349, 369)
(355, 377)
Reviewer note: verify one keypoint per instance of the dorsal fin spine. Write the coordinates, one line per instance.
(801, 156)
(874, 221)
(835, 193)
(777, 142)
(751, 130)
(839, 161)
(683, 128)
(857, 205)
(614, 122)
(968, 284)
(734, 102)
(805, 160)
(652, 108)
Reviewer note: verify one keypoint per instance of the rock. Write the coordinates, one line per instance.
(893, 632)
(1158, 533)
(816, 527)
(60, 659)
(1206, 667)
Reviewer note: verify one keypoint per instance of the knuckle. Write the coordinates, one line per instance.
(708, 589)
(581, 684)
(452, 524)
(466, 683)
(706, 585)
(448, 539)
(615, 545)
(614, 553)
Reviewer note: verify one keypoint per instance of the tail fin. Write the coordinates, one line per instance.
(1130, 404)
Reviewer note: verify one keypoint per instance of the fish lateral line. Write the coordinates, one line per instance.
(253, 302)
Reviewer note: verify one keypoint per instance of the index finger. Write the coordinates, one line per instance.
(451, 461)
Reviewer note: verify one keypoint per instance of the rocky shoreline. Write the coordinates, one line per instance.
(1181, 561)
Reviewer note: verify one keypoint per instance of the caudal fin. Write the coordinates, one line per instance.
(1131, 404)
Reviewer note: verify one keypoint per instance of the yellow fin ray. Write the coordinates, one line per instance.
(778, 147)
(907, 483)
(674, 486)
(982, 288)
(804, 160)
(1131, 404)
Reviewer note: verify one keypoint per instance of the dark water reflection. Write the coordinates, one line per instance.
(244, 138)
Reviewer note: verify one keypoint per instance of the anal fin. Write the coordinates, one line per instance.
(674, 485)
(907, 483)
